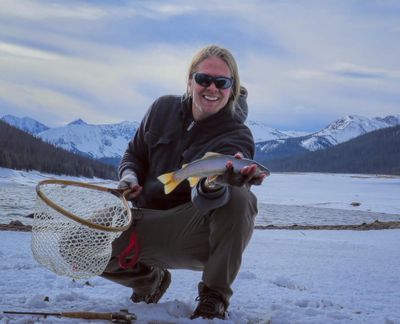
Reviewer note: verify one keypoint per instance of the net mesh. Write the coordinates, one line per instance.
(64, 245)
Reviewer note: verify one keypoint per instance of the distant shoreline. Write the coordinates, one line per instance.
(376, 225)
(17, 226)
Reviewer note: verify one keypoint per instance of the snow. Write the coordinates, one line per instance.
(31, 178)
(286, 276)
(352, 126)
(347, 128)
(375, 193)
(108, 140)
(262, 132)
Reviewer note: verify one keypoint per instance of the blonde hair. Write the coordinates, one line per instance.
(227, 57)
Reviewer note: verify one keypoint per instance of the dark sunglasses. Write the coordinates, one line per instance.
(205, 80)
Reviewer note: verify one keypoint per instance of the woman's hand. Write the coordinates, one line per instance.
(247, 175)
(129, 181)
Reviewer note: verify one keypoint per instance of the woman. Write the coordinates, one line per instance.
(206, 227)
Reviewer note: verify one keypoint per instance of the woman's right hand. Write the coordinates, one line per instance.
(130, 181)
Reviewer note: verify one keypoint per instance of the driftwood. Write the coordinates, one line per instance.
(16, 226)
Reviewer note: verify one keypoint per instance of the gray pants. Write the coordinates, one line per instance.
(185, 238)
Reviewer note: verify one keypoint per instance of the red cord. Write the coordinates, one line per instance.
(133, 244)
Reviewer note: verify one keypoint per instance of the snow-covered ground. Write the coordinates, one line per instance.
(286, 276)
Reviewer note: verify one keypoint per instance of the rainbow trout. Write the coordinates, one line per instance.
(211, 164)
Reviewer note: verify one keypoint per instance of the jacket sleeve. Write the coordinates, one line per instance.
(206, 202)
(135, 157)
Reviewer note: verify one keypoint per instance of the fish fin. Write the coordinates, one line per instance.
(169, 182)
(193, 181)
(213, 178)
(166, 177)
(209, 154)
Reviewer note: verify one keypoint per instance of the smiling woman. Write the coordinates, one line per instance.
(209, 99)
(213, 81)
(205, 228)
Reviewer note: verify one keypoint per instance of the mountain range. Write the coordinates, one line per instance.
(340, 131)
(109, 141)
(376, 152)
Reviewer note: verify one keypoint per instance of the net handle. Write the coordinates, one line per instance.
(116, 192)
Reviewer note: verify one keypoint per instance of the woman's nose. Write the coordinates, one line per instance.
(212, 87)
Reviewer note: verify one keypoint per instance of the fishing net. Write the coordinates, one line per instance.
(74, 226)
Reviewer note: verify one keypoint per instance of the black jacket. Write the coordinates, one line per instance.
(168, 137)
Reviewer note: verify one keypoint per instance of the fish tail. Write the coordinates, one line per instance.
(169, 181)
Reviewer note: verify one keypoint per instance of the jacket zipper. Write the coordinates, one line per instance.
(191, 125)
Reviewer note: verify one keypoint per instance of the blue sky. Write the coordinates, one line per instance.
(305, 63)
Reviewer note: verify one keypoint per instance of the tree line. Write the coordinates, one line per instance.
(22, 151)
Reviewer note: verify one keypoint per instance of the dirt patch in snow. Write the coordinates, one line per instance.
(377, 225)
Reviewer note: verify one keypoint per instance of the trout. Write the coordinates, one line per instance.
(211, 164)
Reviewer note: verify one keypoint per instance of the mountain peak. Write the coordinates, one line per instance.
(78, 121)
(26, 124)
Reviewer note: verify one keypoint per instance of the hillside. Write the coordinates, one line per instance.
(22, 151)
(376, 152)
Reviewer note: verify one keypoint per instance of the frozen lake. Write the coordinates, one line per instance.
(284, 199)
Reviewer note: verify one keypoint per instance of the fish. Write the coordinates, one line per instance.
(211, 164)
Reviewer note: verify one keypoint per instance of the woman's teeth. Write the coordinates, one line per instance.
(211, 98)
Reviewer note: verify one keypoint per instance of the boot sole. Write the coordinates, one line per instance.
(166, 281)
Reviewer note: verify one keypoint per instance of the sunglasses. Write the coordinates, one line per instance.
(205, 80)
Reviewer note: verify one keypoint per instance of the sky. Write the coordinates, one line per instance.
(305, 63)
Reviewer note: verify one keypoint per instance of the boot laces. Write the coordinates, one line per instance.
(209, 301)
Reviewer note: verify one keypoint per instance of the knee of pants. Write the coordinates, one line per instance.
(242, 205)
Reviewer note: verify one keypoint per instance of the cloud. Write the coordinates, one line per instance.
(359, 72)
(39, 101)
(160, 10)
(13, 50)
(79, 10)
(118, 84)
(36, 10)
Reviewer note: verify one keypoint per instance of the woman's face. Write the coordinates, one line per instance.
(209, 100)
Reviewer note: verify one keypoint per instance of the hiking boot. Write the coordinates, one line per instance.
(211, 304)
(155, 296)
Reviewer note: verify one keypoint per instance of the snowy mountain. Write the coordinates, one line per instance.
(375, 152)
(262, 132)
(96, 141)
(347, 128)
(340, 131)
(27, 124)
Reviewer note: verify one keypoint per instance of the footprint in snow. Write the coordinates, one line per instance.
(287, 283)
